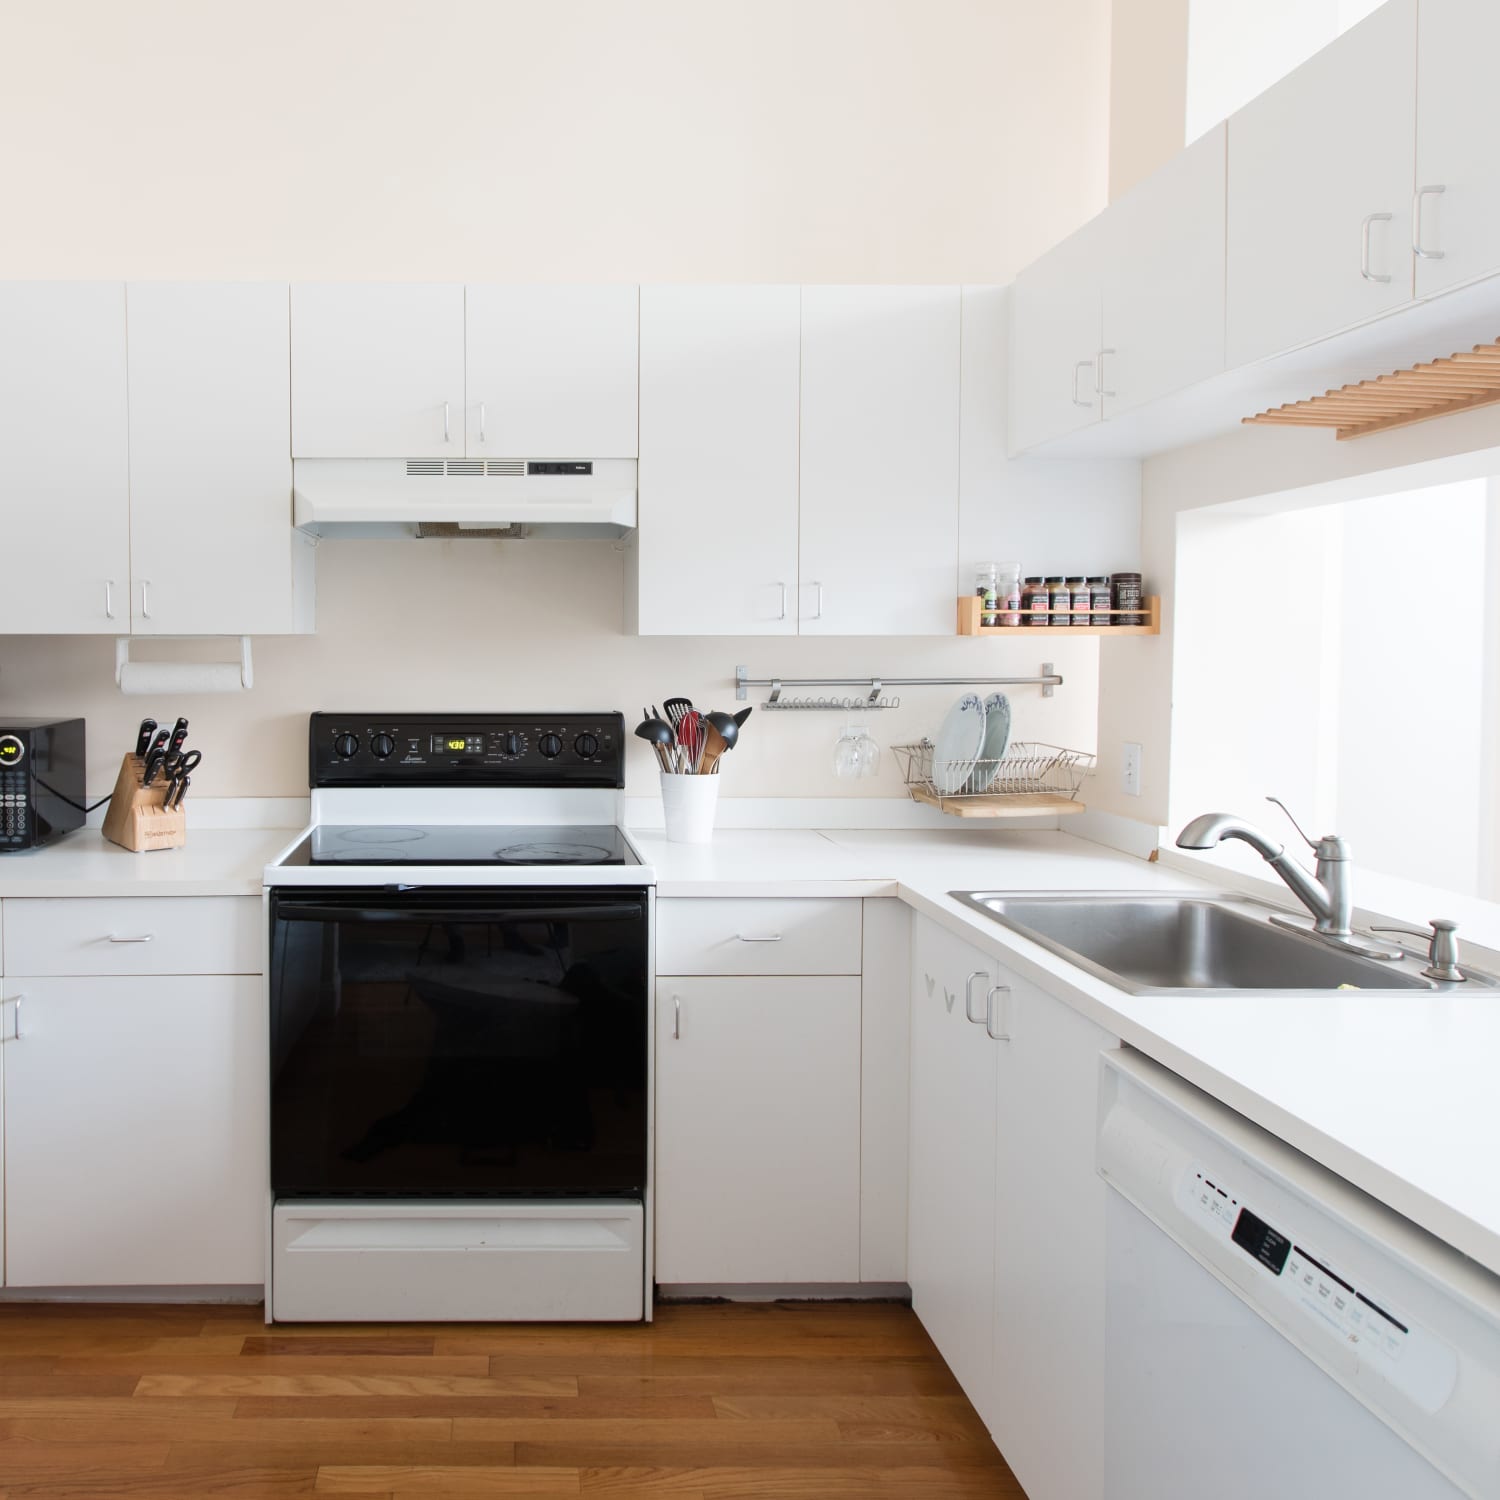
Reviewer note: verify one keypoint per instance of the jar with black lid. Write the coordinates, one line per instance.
(1035, 601)
(1060, 602)
(1099, 597)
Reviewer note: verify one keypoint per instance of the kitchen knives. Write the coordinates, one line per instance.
(143, 738)
(179, 734)
(155, 760)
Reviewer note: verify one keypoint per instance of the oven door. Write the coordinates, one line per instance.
(458, 1043)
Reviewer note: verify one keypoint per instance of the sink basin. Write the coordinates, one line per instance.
(1176, 945)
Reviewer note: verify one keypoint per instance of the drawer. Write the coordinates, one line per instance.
(706, 936)
(134, 935)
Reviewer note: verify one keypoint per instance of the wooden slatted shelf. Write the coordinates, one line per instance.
(1436, 389)
(971, 611)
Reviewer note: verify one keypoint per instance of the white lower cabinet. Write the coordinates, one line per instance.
(1006, 1221)
(757, 1130)
(136, 1140)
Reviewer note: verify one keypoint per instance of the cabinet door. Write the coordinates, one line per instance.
(1056, 336)
(137, 1133)
(717, 545)
(64, 476)
(211, 538)
(950, 1247)
(1459, 233)
(1312, 163)
(377, 370)
(757, 1130)
(1048, 1414)
(1163, 272)
(879, 514)
(551, 371)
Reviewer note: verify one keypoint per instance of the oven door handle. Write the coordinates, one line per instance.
(615, 911)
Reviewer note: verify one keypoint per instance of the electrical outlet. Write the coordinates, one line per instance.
(1130, 769)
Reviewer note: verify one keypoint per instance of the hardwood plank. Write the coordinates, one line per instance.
(101, 1408)
(941, 1415)
(77, 1433)
(613, 1407)
(253, 1483)
(661, 1434)
(50, 1384)
(803, 1483)
(752, 1455)
(353, 1384)
(444, 1480)
(802, 1379)
(332, 1343)
(438, 1453)
(144, 1364)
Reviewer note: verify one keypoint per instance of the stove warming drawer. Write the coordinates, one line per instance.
(440, 1262)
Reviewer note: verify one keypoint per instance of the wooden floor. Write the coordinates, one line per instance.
(709, 1403)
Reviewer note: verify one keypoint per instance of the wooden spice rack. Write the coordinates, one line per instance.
(971, 611)
(137, 818)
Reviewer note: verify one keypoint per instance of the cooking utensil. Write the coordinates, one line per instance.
(159, 743)
(181, 792)
(721, 734)
(741, 716)
(690, 735)
(179, 734)
(676, 709)
(658, 734)
(143, 736)
(155, 760)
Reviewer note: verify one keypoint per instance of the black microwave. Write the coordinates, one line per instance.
(41, 781)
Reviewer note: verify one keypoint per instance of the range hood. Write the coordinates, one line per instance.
(463, 497)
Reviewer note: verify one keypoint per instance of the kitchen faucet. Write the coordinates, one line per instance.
(1326, 893)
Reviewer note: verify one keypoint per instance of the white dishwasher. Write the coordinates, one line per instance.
(1272, 1331)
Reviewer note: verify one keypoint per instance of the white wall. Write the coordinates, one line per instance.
(624, 140)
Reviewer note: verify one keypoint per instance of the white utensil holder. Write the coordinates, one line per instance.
(688, 804)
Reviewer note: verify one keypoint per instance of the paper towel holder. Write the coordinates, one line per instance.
(182, 676)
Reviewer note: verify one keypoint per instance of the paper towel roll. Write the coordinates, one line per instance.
(170, 678)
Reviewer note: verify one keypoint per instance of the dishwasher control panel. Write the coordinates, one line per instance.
(1356, 1315)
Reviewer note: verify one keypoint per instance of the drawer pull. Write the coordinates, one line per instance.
(775, 937)
(989, 1013)
(147, 937)
(18, 1000)
(969, 995)
(676, 1018)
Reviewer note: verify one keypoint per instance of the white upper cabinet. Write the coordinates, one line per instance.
(1321, 174)
(1163, 274)
(879, 467)
(378, 370)
(64, 467)
(718, 461)
(1056, 335)
(551, 371)
(212, 546)
(1457, 238)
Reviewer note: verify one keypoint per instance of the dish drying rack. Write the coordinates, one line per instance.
(1031, 780)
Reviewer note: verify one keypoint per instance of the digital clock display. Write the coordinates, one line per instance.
(457, 744)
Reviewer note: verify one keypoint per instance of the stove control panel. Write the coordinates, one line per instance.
(561, 750)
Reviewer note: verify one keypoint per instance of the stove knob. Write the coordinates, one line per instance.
(587, 745)
(381, 746)
(514, 744)
(549, 745)
(345, 745)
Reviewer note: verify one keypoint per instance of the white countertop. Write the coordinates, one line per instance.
(1396, 1093)
(1393, 1092)
(213, 862)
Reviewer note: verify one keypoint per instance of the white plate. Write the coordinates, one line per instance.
(996, 738)
(957, 745)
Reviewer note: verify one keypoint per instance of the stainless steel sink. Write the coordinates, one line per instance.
(1185, 945)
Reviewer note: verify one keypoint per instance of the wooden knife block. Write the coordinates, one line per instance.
(136, 819)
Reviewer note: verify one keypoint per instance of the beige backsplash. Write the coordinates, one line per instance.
(463, 626)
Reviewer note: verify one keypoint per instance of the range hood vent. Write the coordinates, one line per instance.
(464, 497)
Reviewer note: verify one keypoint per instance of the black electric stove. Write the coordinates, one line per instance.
(522, 844)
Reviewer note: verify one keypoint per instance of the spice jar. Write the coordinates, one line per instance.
(1060, 601)
(1035, 600)
(1127, 595)
(1099, 597)
(1078, 589)
(1008, 594)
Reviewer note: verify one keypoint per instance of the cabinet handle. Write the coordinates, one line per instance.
(481, 424)
(145, 598)
(775, 937)
(989, 1014)
(109, 598)
(819, 614)
(676, 1019)
(1364, 246)
(782, 615)
(1416, 222)
(447, 430)
(1083, 364)
(19, 999)
(969, 995)
(144, 938)
(1101, 387)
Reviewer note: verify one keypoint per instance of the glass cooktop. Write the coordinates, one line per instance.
(462, 844)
